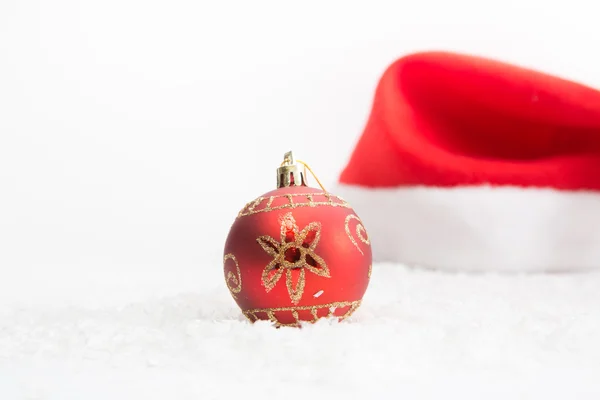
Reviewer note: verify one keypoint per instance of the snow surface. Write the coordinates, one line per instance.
(418, 334)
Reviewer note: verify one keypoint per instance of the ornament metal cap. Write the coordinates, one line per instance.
(288, 173)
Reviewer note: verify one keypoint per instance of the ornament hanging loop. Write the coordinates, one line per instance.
(312, 173)
(288, 159)
(289, 175)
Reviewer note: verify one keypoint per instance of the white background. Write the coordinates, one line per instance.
(131, 132)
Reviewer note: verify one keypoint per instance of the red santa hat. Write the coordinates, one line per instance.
(472, 164)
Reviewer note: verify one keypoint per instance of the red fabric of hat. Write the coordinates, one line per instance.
(468, 163)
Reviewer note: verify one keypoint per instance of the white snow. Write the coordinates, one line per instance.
(418, 334)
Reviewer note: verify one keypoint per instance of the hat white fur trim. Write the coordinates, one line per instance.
(480, 228)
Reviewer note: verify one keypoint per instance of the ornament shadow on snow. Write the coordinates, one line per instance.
(308, 237)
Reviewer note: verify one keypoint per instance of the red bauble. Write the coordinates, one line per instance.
(297, 254)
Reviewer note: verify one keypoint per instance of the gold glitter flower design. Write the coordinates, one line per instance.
(293, 255)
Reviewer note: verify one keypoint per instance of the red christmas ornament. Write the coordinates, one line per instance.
(297, 254)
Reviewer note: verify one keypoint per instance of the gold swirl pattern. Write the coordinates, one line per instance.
(360, 232)
(331, 307)
(234, 282)
(292, 201)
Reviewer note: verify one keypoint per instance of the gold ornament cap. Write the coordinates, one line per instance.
(288, 174)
